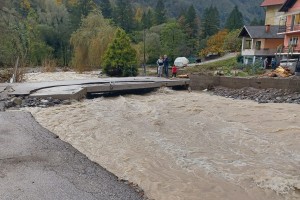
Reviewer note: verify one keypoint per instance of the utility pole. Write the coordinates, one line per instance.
(144, 64)
(173, 45)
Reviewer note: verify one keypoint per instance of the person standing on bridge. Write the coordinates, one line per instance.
(160, 65)
(166, 66)
(174, 71)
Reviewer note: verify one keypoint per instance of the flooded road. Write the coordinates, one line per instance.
(191, 146)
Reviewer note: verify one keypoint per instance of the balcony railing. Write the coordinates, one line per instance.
(259, 52)
(291, 49)
(282, 29)
(288, 28)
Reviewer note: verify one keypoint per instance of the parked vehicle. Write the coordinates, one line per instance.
(290, 64)
(181, 62)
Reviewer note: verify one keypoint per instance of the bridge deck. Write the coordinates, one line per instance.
(76, 89)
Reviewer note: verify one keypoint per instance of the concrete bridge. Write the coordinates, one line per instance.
(77, 89)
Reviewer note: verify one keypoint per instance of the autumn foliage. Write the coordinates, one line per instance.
(91, 41)
(215, 44)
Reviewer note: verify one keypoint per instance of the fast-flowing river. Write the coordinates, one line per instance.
(191, 146)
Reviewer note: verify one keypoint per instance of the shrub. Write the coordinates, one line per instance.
(120, 58)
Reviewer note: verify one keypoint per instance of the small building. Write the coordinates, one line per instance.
(260, 42)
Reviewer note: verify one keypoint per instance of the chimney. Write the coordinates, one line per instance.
(268, 27)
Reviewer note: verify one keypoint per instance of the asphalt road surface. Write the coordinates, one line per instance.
(35, 164)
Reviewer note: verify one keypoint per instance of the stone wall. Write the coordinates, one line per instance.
(201, 82)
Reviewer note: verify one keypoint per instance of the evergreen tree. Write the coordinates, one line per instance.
(144, 20)
(160, 13)
(256, 22)
(188, 21)
(210, 22)
(147, 20)
(150, 18)
(192, 22)
(124, 15)
(120, 58)
(106, 8)
(234, 20)
(78, 9)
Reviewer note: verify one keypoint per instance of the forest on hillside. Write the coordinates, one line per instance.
(87, 34)
(251, 8)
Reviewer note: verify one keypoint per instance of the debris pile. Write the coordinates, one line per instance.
(259, 95)
(280, 72)
(5, 75)
(21, 102)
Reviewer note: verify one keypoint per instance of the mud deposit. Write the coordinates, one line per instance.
(191, 146)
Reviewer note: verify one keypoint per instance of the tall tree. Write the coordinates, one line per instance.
(235, 19)
(25, 6)
(55, 29)
(13, 40)
(192, 22)
(173, 40)
(120, 58)
(79, 9)
(232, 42)
(160, 13)
(106, 8)
(210, 23)
(146, 20)
(153, 47)
(256, 22)
(91, 41)
(150, 18)
(191, 26)
(123, 15)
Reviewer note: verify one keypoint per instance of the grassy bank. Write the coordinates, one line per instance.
(228, 64)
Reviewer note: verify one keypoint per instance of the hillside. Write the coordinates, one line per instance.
(249, 8)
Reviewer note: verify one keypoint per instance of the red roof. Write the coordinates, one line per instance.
(272, 2)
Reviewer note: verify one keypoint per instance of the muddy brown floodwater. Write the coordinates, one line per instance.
(191, 146)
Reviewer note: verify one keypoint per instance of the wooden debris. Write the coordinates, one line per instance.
(183, 76)
(279, 72)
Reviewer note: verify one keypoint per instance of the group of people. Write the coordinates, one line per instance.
(163, 67)
(273, 63)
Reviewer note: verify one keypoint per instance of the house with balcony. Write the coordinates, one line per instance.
(260, 42)
(290, 29)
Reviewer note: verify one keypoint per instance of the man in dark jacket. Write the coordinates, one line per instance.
(166, 66)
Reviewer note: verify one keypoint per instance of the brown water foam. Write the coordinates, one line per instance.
(179, 145)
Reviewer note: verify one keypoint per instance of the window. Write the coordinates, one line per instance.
(297, 19)
(293, 41)
(295, 26)
(258, 45)
(248, 44)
